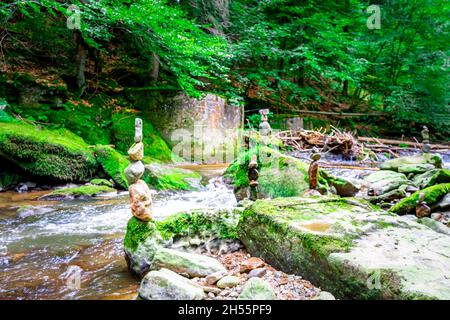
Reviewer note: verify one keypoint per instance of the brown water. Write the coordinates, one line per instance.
(73, 249)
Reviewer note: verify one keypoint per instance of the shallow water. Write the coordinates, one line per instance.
(73, 249)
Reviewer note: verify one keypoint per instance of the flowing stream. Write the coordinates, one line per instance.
(45, 247)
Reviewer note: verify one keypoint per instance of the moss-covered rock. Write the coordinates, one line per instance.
(113, 164)
(432, 196)
(348, 247)
(54, 154)
(384, 181)
(164, 177)
(101, 182)
(143, 239)
(409, 163)
(77, 193)
(432, 177)
(122, 136)
(281, 175)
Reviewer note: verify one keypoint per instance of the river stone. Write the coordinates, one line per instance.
(324, 295)
(228, 282)
(167, 285)
(260, 272)
(134, 171)
(214, 277)
(416, 168)
(137, 130)
(141, 201)
(257, 289)
(344, 245)
(384, 181)
(195, 265)
(427, 158)
(136, 152)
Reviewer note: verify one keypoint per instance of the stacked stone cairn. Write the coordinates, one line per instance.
(140, 195)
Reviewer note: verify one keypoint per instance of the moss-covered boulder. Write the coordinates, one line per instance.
(164, 177)
(82, 192)
(384, 181)
(101, 182)
(122, 136)
(412, 163)
(432, 196)
(431, 177)
(281, 175)
(143, 239)
(53, 154)
(113, 164)
(349, 247)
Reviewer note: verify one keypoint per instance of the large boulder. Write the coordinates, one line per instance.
(54, 154)
(413, 164)
(349, 247)
(384, 181)
(167, 285)
(191, 264)
(432, 196)
(281, 175)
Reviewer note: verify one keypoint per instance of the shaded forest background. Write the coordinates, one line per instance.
(291, 56)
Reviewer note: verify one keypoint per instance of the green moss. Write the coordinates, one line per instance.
(197, 223)
(56, 154)
(137, 232)
(122, 136)
(432, 195)
(113, 163)
(8, 180)
(82, 191)
(163, 177)
(101, 182)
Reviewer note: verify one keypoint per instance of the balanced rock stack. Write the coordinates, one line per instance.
(140, 195)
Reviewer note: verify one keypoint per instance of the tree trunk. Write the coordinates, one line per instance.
(154, 75)
(80, 60)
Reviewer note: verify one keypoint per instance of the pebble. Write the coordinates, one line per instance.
(259, 273)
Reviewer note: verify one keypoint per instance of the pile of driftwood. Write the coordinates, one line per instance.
(337, 141)
(345, 143)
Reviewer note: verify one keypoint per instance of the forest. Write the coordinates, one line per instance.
(267, 149)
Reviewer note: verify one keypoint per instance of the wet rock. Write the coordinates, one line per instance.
(228, 282)
(259, 273)
(431, 177)
(141, 201)
(194, 265)
(434, 225)
(164, 177)
(384, 181)
(136, 152)
(251, 263)
(257, 289)
(167, 285)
